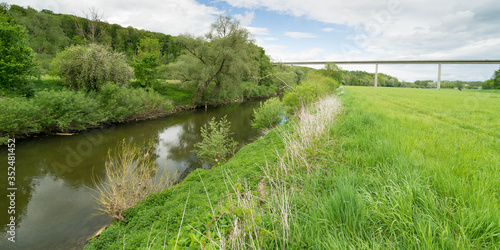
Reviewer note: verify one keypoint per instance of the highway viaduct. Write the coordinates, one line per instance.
(377, 62)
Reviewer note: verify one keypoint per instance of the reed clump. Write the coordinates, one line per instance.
(131, 175)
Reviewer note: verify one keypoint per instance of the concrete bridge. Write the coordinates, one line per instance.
(377, 62)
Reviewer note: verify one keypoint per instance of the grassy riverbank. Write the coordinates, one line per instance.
(399, 168)
(48, 107)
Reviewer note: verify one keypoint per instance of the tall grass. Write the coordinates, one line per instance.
(368, 181)
(131, 175)
(405, 173)
(389, 169)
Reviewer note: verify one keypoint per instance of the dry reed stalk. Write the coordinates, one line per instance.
(131, 175)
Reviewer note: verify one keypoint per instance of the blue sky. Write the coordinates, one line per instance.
(321, 30)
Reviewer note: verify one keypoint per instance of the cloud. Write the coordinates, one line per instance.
(170, 16)
(246, 19)
(257, 30)
(402, 29)
(327, 29)
(299, 35)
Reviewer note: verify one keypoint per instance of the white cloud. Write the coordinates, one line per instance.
(403, 29)
(327, 29)
(170, 17)
(270, 38)
(299, 35)
(246, 19)
(258, 31)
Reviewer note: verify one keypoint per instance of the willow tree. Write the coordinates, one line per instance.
(223, 57)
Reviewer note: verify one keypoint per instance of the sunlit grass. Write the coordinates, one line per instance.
(389, 169)
(419, 169)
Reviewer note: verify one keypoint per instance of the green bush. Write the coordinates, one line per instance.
(19, 115)
(153, 102)
(176, 93)
(216, 144)
(308, 91)
(268, 114)
(118, 102)
(66, 109)
(251, 90)
(90, 67)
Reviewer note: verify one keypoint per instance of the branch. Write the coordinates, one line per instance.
(193, 53)
(286, 85)
(271, 74)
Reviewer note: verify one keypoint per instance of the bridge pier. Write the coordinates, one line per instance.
(376, 74)
(439, 77)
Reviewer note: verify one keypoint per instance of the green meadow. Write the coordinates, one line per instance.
(418, 168)
(389, 168)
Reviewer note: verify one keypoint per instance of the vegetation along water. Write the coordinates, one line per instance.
(352, 167)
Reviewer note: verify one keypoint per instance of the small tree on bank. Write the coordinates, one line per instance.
(90, 67)
(216, 144)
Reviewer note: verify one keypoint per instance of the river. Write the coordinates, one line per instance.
(54, 204)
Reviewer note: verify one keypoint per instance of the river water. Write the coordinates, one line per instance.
(54, 204)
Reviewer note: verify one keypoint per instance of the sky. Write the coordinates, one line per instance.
(325, 30)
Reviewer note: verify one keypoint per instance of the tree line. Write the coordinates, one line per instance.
(362, 78)
(49, 33)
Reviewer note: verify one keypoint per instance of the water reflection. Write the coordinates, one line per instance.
(54, 206)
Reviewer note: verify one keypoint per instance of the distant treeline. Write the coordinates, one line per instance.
(50, 33)
(362, 78)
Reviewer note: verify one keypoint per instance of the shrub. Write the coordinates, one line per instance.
(19, 115)
(118, 102)
(292, 102)
(90, 67)
(216, 144)
(153, 102)
(66, 109)
(268, 114)
(308, 91)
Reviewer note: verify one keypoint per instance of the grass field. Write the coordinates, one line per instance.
(396, 169)
(417, 169)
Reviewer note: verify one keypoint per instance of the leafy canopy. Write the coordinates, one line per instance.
(223, 57)
(91, 66)
(216, 144)
(147, 60)
(16, 57)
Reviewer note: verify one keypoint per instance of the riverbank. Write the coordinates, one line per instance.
(58, 172)
(383, 174)
(60, 111)
(210, 206)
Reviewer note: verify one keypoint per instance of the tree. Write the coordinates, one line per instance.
(496, 80)
(91, 28)
(333, 71)
(16, 57)
(147, 60)
(216, 145)
(90, 67)
(460, 85)
(222, 57)
(44, 30)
